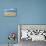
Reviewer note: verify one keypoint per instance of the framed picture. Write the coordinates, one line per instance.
(10, 12)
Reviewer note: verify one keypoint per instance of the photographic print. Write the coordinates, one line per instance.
(10, 12)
